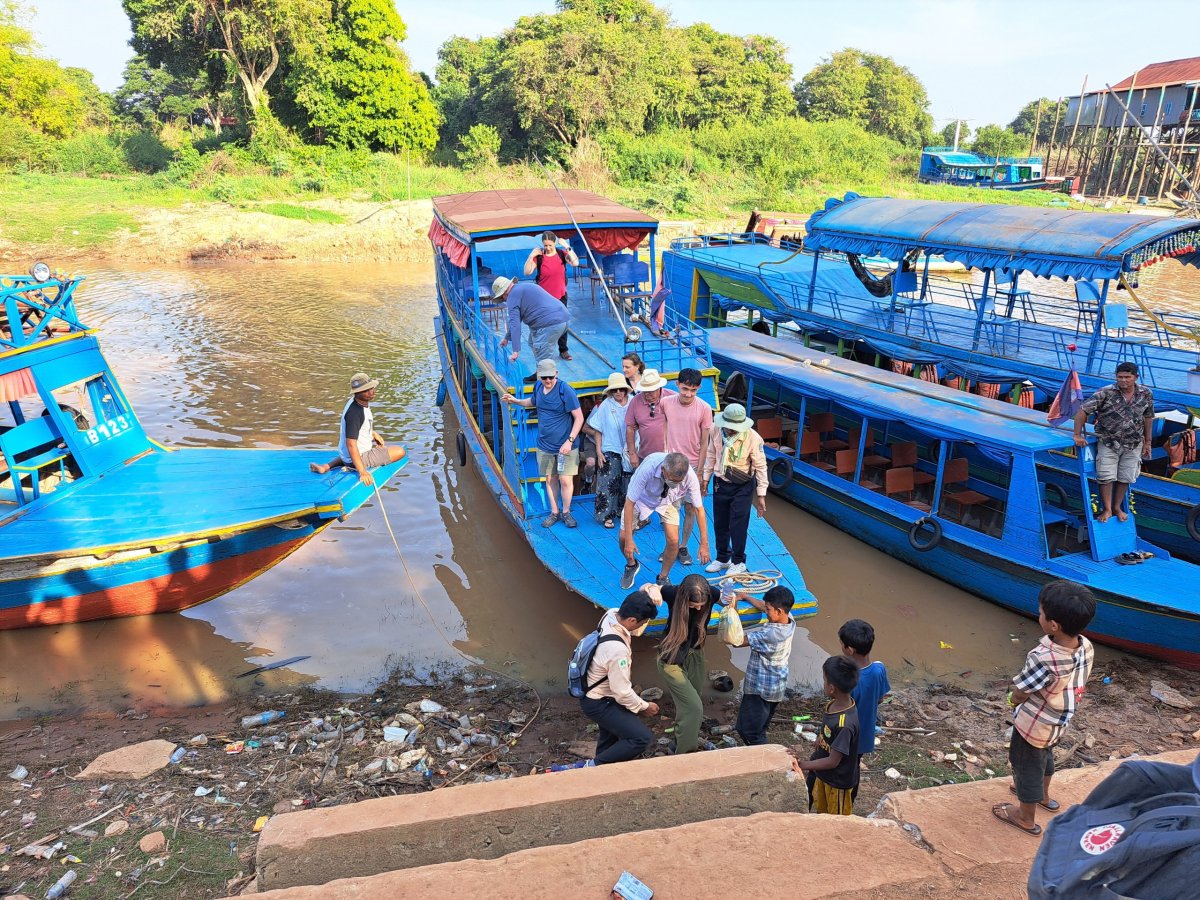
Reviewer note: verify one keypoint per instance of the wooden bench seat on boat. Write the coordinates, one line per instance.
(957, 474)
(810, 451)
(846, 461)
(900, 481)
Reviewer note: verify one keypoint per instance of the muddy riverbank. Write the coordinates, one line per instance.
(332, 749)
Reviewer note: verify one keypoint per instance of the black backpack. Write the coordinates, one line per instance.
(1137, 835)
(562, 254)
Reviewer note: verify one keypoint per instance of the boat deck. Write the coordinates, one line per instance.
(589, 560)
(1031, 341)
(176, 495)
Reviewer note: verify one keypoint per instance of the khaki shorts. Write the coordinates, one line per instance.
(548, 464)
(374, 458)
(1113, 465)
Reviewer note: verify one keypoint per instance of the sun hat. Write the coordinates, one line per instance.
(362, 382)
(616, 381)
(651, 381)
(547, 367)
(500, 285)
(734, 418)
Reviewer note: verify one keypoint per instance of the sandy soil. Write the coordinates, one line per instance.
(298, 763)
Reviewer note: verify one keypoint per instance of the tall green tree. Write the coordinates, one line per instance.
(252, 36)
(1025, 119)
(872, 90)
(733, 78)
(356, 88)
(947, 134)
(153, 94)
(995, 140)
(40, 92)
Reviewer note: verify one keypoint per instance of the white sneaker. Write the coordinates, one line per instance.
(736, 569)
(716, 566)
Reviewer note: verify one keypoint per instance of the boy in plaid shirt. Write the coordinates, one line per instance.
(1045, 694)
(767, 671)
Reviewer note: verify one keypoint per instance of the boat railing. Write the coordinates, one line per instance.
(485, 324)
(33, 310)
(679, 345)
(728, 239)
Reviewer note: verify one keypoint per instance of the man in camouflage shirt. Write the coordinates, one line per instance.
(1124, 412)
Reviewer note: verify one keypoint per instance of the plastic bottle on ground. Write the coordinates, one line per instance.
(61, 886)
(263, 718)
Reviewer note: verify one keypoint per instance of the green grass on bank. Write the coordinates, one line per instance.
(302, 213)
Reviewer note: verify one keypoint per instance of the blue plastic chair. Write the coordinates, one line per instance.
(1087, 302)
(1127, 346)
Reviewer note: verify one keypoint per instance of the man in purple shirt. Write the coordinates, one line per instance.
(659, 484)
(546, 317)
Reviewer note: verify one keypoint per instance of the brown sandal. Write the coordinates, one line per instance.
(1000, 811)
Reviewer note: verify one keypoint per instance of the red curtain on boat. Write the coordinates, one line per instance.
(16, 385)
(614, 240)
(457, 252)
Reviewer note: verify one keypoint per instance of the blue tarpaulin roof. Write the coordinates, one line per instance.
(1059, 243)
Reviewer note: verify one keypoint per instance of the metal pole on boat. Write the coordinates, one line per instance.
(1097, 328)
(633, 333)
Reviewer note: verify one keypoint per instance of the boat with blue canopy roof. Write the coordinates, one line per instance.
(478, 237)
(1052, 291)
(96, 519)
(958, 486)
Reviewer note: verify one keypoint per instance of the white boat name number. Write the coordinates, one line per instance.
(109, 429)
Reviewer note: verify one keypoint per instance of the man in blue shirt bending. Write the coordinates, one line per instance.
(545, 315)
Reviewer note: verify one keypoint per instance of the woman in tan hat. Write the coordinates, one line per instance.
(606, 426)
(735, 457)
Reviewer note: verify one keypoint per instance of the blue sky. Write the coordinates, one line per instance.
(980, 61)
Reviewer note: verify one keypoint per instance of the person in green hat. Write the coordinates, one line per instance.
(738, 466)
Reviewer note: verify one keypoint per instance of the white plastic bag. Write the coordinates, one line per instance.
(729, 626)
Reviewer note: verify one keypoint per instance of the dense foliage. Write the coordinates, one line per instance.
(1051, 111)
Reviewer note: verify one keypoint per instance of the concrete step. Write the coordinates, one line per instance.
(490, 820)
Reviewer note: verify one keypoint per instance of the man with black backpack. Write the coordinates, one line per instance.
(608, 698)
(550, 262)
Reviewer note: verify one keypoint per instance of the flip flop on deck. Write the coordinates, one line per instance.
(1048, 805)
(1000, 811)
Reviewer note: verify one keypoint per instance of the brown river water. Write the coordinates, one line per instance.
(259, 356)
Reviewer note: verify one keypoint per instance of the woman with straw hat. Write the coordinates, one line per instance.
(736, 458)
(606, 426)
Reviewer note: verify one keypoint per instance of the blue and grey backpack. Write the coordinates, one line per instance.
(1137, 835)
(581, 661)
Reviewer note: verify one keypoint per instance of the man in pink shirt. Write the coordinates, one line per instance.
(550, 262)
(688, 421)
(645, 427)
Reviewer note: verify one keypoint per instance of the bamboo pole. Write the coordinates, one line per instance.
(1074, 128)
(1053, 137)
(1182, 135)
(1150, 139)
(1037, 120)
(1088, 161)
(1121, 138)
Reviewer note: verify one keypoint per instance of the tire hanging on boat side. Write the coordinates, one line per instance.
(441, 392)
(461, 441)
(934, 539)
(780, 472)
(1193, 522)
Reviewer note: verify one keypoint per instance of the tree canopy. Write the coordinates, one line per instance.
(994, 140)
(1025, 119)
(882, 96)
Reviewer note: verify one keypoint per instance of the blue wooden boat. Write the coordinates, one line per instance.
(959, 487)
(96, 519)
(1008, 334)
(479, 236)
(948, 165)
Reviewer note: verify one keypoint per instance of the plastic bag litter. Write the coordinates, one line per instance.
(729, 626)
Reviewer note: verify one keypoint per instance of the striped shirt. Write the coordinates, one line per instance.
(1055, 677)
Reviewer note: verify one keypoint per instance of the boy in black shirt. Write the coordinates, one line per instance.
(832, 772)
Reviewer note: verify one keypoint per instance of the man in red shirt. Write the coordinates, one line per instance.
(550, 262)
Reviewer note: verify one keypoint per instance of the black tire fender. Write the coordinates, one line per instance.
(1056, 495)
(780, 472)
(918, 526)
(461, 442)
(1193, 522)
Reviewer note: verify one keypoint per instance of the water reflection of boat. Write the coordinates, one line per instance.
(98, 520)
(1007, 336)
(959, 487)
(479, 236)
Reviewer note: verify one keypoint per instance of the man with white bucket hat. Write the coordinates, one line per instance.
(735, 457)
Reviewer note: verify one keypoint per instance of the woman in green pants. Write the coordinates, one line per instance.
(681, 653)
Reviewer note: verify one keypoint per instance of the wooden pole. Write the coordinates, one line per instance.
(1182, 135)
(1037, 120)
(1066, 165)
(1053, 136)
(1087, 160)
(1121, 137)
(1146, 159)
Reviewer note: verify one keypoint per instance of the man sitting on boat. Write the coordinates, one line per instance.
(659, 484)
(359, 445)
(1124, 415)
(559, 421)
(546, 317)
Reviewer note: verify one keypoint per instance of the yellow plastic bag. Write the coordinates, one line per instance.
(729, 626)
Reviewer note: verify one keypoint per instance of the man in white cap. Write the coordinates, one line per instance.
(359, 445)
(735, 457)
(559, 421)
(546, 317)
(645, 425)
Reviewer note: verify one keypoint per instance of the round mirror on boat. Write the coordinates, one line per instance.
(40, 272)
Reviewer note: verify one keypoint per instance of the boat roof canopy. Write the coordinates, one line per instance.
(1059, 243)
(931, 408)
(483, 214)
